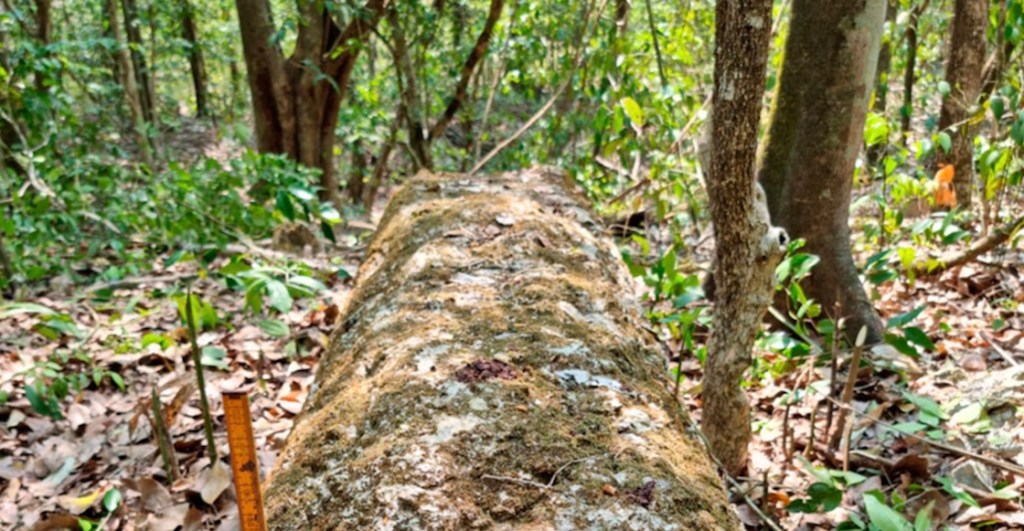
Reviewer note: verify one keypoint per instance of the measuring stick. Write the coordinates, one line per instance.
(244, 463)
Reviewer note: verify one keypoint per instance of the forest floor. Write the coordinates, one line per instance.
(943, 429)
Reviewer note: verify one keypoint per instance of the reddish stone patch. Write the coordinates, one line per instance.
(483, 370)
(643, 495)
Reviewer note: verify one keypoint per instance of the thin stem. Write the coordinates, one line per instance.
(204, 404)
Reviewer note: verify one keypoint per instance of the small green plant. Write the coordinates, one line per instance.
(50, 381)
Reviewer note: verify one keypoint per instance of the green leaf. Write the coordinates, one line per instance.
(151, 338)
(923, 520)
(945, 142)
(884, 517)
(633, 111)
(280, 300)
(274, 328)
(925, 404)
(284, 204)
(214, 357)
(944, 88)
(917, 336)
(998, 106)
(903, 319)
(876, 129)
(957, 492)
(112, 500)
(901, 345)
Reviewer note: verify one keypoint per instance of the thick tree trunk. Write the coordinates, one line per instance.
(816, 133)
(747, 247)
(295, 106)
(195, 56)
(964, 75)
(490, 372)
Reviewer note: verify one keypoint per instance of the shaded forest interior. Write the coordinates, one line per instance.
(815, 214)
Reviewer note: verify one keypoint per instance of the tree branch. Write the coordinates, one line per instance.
(998, 237)
(479, 50)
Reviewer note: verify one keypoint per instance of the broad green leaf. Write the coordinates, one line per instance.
(280, 300)
(633, 111)
(274, 328)
(884, 517)
(112, 500)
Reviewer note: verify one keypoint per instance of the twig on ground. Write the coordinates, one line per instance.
(999, 350)
(998, 237)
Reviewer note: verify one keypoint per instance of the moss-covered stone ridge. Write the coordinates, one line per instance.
(490, 372)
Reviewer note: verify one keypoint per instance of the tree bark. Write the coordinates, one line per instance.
(815, 136)
(747, 247)
(964, 75)
(910, 72)
(412, 111)
(490, 372)
(999, 59)
(147, 97)
(195, 56)
(44, 31)
(468, 69)
(296, 99)
(876, 152)
(131, 90)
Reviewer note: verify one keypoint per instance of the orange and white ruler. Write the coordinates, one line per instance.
(244, 462)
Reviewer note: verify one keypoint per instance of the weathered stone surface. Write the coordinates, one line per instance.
(490, 372)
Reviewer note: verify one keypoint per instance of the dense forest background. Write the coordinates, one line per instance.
(231, 159)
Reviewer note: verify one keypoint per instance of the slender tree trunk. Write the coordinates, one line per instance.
(998, 60)
(440, 406)
(142, 74)
(195, 56)
(412, 108)
(816, 133)
(296, 99)
(44, 30)
(483, 41)
(131, 89)
(910, 73)
(964, 74)
(356, 185)
(882, 79)
(747, 247)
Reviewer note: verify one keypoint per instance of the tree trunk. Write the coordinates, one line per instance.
(747, 247)
(147, 98)
(296, 100)
(412, 109)
(195, 56)
(910, 73)
(963, 73)
(131, 90)
(490, 372)
(816, 133)
(483, 41)
(876, 151)
(999, 59)
(44, 30)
